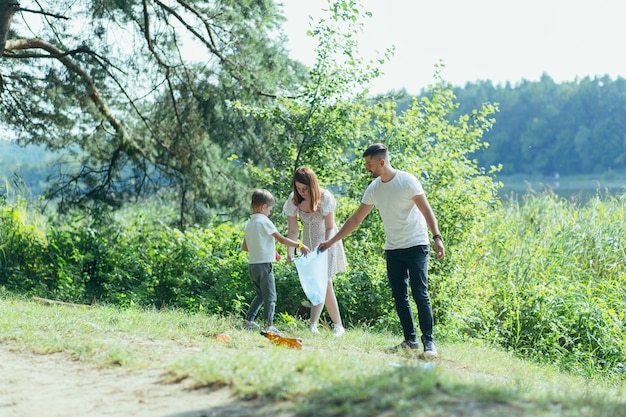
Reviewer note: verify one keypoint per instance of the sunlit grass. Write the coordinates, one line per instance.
(547, 281)
(353, 375)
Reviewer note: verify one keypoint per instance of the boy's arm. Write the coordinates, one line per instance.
(291, 243)
(244, 245)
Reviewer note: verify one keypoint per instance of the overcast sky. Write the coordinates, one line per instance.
(497, 40)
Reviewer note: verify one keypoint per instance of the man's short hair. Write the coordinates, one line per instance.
(261, 196)
(377, 149)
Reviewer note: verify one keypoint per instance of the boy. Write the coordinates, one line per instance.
(259, 241)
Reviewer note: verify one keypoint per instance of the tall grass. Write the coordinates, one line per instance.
(547, 279)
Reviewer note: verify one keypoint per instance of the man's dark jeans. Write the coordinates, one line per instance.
(410, 266)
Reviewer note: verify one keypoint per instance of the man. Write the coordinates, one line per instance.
(407, 216)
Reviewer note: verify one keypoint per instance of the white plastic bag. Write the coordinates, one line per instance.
(313, 274)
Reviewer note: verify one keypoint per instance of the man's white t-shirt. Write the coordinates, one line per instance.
(261, 243)
(405, 226)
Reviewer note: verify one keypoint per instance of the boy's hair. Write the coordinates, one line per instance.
(306, 176)
(260, 197)
(377, 149)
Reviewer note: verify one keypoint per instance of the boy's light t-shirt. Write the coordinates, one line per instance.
(261, 243)
(405, 226)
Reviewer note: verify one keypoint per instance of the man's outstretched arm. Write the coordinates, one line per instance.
(348, 227)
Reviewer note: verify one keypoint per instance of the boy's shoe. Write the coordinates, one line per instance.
(274, 330)
(251, 325)
(313, 329)
(406, 345)
(430, 351)
(338, 330)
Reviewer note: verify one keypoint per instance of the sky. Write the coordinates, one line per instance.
(477, 40)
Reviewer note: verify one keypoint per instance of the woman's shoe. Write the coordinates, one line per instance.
(338, 330)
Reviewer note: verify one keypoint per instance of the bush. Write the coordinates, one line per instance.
(23, 244)
(544, 277)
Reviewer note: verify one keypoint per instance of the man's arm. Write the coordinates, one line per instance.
(348, 227)
(424, 207)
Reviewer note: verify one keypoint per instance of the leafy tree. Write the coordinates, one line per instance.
(331, 111)
(543, 127)
(138, 92)
(329, 124)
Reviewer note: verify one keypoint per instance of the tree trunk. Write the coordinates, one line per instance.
(7, 9)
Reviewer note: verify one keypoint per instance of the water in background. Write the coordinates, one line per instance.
(575, 188)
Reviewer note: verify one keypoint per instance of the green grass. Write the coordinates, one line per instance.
(349, 376)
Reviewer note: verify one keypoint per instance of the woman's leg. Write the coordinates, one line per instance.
(316, 312)
(331, 304)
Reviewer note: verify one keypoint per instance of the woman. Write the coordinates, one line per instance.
(316, 208)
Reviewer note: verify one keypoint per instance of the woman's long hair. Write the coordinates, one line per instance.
(306, 176)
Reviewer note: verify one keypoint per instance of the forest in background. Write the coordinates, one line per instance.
(547, 128)
(542, 129)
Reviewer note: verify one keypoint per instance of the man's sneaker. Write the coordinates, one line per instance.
(430, 351)
(406, 345)
(251, 325)
(338, 330)
(274, 330)
(313, 329)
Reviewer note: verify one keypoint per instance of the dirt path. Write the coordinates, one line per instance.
(34, 385)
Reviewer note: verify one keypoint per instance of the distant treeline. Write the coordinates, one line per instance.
(25, 169)
(542, 127)
(545, 128)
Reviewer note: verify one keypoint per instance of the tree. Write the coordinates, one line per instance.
(324, 124)
(330, 123)
(137, 93)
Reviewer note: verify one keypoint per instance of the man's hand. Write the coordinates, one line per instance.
(440, 251)
(324, 245)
